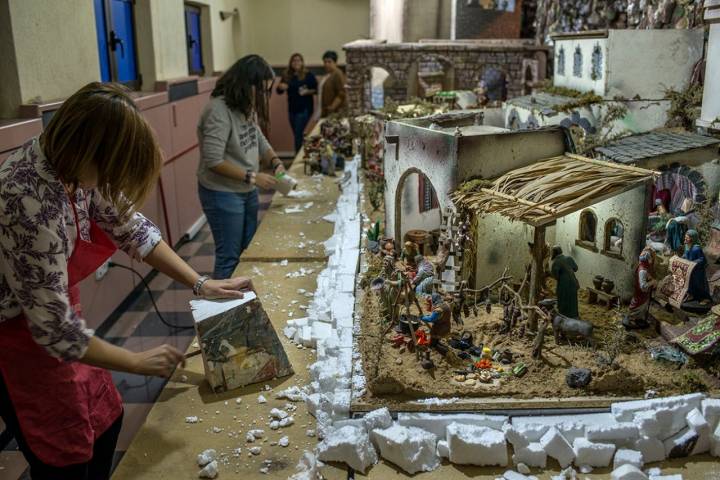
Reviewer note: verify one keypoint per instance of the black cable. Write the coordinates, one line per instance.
(152, 297)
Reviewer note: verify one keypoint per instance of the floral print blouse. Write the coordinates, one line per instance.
(37, 237)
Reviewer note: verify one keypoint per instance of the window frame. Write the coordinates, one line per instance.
(607, 251)
(190, 6)
(596, 72)
(109, 27)
(580, 241)
(425, 188)
(560, 70)
(577, 64)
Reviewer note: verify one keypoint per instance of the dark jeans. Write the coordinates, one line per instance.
(233, 219)
(298, 122)
(98, 468)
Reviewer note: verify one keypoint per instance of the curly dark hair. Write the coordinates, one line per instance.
(237, 83)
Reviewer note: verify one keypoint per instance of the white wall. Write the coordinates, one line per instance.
(501, 243)
(585, 82)
(711, 93)
(629, 208)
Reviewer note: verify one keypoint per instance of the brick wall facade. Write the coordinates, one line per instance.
(468, 60)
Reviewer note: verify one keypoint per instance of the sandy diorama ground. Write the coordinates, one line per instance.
(393, 372)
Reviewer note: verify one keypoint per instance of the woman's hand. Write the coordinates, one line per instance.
(263, 180)
(158, 362)
(282, 86)
(230, 288)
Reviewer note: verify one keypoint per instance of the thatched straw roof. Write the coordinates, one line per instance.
(550, 189)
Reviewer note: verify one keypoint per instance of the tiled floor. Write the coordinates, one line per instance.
(139, 328)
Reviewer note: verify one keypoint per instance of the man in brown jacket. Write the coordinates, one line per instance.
(333, 98)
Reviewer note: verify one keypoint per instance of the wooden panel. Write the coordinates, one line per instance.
(187, 203)
(14, 133)
(159, 119)
(100, 298)
(184, 116)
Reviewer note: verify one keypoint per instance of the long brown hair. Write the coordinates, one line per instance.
(100, 129)
(287, 76)
(236, 86)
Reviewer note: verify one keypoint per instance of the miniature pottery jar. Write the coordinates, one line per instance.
(597, 281)
(608, 285)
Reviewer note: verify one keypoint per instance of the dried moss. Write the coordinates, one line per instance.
(580, 99)
(685, 106)
(473, 185)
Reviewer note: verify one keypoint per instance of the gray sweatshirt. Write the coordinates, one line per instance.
(225, 134)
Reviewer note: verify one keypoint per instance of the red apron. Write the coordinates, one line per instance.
(62, 407)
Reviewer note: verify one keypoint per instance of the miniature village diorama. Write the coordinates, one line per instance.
(536, 239)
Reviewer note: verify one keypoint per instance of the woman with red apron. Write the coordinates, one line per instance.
(66, 204)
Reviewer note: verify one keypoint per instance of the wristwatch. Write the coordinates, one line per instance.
(199, 284)
(249, 178)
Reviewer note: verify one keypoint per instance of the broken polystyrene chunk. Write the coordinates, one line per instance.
(379, 418)
(284, 441)
(278, 414)
(628, 472)
(443, 451)
(350, 445)
(286, 422)
(625, 456)
(514, 436)
(681, 444)
(410, 448)
(557, 447)
(652, 449)
(209, 471)
(624, 411)
(512, 475)
(191, 419)
(593, 454)
(472, 445)
(206, 457)
(294, 394)
(533, 455)
(261, 399)
(612, 433)
(715, 442)
(437, 423)
(696, 421)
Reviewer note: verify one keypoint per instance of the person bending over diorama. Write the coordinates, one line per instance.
(67, 201)
(231, 146)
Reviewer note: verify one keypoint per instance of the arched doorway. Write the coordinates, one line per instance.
(377, 82)
(428, 75)
(416, 206)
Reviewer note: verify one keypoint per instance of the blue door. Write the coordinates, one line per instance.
(102, 36)
(192, 27)
(122, 40)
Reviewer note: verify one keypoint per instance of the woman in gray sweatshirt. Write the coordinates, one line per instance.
(232, 145)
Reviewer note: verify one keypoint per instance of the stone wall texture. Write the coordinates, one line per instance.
(468, 61)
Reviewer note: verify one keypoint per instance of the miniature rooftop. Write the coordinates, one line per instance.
(449, 123)
(543, 102)
(651, 144)
(550, 189)
(430, 44)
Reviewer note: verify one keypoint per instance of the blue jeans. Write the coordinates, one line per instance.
(233, 219)
(298, 122)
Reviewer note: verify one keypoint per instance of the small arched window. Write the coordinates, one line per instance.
(577, 62)
(596, 63)
(614, 233)
(561, 61)
(588, 228)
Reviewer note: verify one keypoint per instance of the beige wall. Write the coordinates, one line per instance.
(160, 31)
(275, 29)
(10, 91)
(42, 50)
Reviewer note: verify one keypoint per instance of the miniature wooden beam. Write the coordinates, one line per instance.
(522, 201)
(536, 273)
(617, 166)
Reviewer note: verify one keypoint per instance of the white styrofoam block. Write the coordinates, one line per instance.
(711, 411)
(557, 447)
(652, 449)
(514, 436)
(289, 331)
(473, 445)
(696, 421)
(630, 457)
(648, 423)
(379, 418)
(624, 411)
(612, 433)
(675, 476)
(350, 445)
(532, 455)
(437, 423)
(341, 403)
(410, 448)
(715, 442)
(681, 444)
(353, 422)
(628, 472)
(443, 450)
(320, 332)
(306, 336)
(532, 432)
(592, 453)
(570, 426)
(513, 475)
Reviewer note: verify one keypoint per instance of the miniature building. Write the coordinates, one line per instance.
(602, 63)
(415, 69)
(710, 114)
(688, 162)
